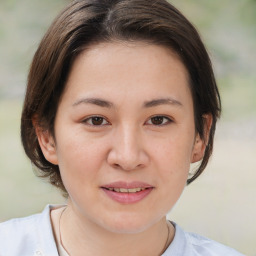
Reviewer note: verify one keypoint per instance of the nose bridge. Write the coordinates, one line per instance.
(128, 152)
(129, 140)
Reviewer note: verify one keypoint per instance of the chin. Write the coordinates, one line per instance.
(128, 223)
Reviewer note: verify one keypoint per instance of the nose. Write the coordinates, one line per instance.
(127, 150)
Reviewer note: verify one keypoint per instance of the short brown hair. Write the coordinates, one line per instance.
(86, 22)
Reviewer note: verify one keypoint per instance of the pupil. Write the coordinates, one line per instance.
(157, 120)
(97, 120)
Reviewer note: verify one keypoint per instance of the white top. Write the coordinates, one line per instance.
(33, 236)
(62, 251)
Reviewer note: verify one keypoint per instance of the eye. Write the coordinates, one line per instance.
(159, 120)
(96, 121)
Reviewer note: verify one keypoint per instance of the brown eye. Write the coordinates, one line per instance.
(95, 121)
(159, 120)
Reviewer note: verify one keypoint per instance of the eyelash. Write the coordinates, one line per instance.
(89, 121)
(168, 120)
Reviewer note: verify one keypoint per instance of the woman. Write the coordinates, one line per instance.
(121, 99)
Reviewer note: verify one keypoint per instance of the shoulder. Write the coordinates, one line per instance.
(27, 236)
(205, 246)
(18, 235)
(190, 244)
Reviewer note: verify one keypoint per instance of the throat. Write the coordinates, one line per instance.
(80, 236)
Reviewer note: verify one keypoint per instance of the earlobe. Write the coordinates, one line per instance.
(198, 150)
(47, 144)
(201, 143)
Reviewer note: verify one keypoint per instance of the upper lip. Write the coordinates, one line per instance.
(127, 185)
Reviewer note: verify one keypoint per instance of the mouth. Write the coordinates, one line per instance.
(126, 190)
(127, 193)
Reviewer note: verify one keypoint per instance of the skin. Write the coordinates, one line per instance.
(138, 81)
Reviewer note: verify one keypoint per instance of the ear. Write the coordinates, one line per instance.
(201, 143)
(47, 144)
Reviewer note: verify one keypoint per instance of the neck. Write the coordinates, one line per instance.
(80, 236)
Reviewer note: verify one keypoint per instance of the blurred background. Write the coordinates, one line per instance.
(221, 204)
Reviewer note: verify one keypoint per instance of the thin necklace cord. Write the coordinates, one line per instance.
(61, 244)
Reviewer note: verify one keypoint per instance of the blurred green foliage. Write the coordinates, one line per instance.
(22, 24)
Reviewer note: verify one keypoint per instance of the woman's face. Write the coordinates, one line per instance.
(124, 135)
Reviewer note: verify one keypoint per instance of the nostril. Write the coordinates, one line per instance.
(116, 165)
(126, 167)
(127, 160)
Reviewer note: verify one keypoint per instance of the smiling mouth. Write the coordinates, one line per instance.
(126, 190)
(127, 193)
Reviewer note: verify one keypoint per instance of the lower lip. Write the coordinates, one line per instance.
(127, 198)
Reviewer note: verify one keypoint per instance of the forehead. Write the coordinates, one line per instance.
(127, 68)
(124, 53)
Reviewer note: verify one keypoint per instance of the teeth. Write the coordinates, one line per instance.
(126, 190)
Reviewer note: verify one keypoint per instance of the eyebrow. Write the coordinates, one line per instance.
(164, 101)
(95, 101)
(147, 104)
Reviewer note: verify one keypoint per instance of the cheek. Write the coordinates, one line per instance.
(172, 161)
(80, 159)
(172, 165)
(174, 154)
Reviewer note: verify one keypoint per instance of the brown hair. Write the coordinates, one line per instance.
(85, 22)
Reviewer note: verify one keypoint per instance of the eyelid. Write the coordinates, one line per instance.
(85, 121)
(169, 120)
